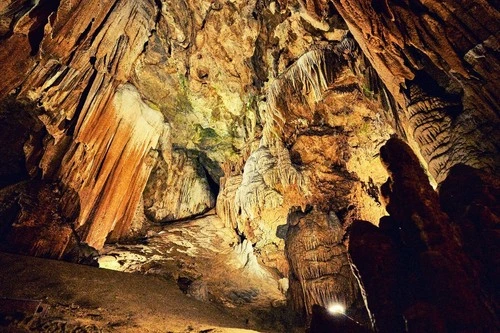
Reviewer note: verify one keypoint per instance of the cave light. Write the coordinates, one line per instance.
(336, 309)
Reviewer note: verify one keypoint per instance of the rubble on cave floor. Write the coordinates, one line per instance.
(209, 263)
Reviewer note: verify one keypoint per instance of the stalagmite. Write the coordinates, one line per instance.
(424, 273)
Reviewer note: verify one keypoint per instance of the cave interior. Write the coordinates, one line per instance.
(249, 166)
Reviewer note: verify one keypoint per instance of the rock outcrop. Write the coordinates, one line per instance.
(100, 133)
(319, 268)
(178, 188)
(438, 60)
(417, 266)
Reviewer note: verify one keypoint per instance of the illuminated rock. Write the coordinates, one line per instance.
(319, 268)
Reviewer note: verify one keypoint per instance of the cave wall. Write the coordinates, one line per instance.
(439, 61)
(112, 84)
(77, 59)
(419, 269)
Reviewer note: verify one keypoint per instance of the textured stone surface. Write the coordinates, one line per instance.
(476, 212)
(432, 56)
(100, 133)
(177, 189)
(40, 228)
(207, 89)
(119, 143)
(103, 300)
(209, 263)
(319, 269)
(266, 105)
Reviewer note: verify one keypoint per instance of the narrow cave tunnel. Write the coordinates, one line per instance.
(249, 166)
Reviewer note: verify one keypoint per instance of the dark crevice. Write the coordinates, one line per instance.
(345, 89)
(322, 130)
(80, 40)
(18, 123)
(206, 212)
(372, 190)
(41, 15)
(81, 103)
(423, 87)
(145, 47)
(158, 13)
(35, 38)
(184, 283)
(212, 184)
(242, 235)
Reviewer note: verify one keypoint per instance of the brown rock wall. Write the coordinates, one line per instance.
(39, 228)
(427, 271)
(452, 44)
(319, 269)
(101, 131)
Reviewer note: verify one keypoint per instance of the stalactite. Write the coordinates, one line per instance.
(308, 74)
(262, 174)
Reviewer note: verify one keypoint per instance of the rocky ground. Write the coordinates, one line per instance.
(190, 279)
(209, 263)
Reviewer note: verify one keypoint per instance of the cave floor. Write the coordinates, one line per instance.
(77, 298)
(209, 263)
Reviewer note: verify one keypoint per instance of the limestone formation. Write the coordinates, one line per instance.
(417, 265)
(177, 189)
(428, 233)
(86, 65)
(438, 60)
(319, 269)
(100, 130)
(118, 117)
(226, 208)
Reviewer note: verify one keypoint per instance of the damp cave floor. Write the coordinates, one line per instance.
(77, 298)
